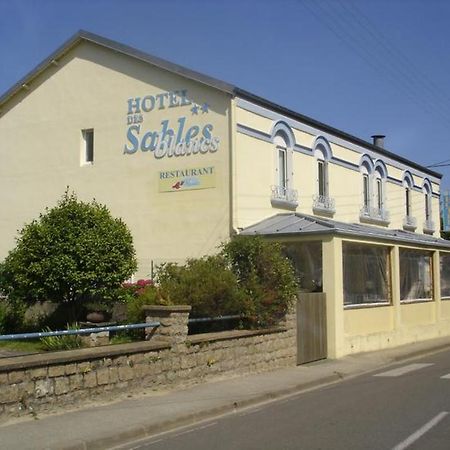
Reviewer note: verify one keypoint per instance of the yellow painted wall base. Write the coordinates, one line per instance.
(388, 339)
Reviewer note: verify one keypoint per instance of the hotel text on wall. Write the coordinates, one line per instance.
(168, 138)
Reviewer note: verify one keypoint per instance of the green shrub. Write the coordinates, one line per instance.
(64, 342)
(11, 316)
(73, 253)
(265, 276)
(207, 284)
(148, 295)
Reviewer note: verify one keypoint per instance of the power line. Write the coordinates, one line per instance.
(438, 163)
(412, 71)
(396, 71)
(335, 23)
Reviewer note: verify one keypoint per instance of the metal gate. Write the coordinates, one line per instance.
(311, 327)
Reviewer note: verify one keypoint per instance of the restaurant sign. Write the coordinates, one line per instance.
(187, 179)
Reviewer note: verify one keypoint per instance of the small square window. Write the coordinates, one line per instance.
(87, 151)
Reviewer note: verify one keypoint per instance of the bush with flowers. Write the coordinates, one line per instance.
(136, 295)
(250, 276)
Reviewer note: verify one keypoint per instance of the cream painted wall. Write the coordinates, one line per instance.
(414, 314)
(445, 308)
(253, 120)
(363, 321)
(345, 185)
(358, 329)
(40, 141)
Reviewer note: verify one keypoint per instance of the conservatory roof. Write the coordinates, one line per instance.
(296, 224)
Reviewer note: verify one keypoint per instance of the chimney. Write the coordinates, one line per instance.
(378, 140)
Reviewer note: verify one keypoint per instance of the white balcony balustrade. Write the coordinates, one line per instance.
(283, 197)
(429, 226)
(322, 204)
(409, 223)
(371, 214)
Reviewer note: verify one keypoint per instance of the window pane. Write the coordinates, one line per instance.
(307, 260)
(408, 204)
(427, 207)
(445, 274)
(366, 274)
(282, 167)
(380, 193)
(321, 177)
(366, 189)
(89, 145)
(415, 275)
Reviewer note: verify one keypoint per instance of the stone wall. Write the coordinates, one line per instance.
(33, 383)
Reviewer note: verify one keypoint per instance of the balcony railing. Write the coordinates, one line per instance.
(429, 226)
(323, 204)
(409, 223)
(284, 197)
(374, 215)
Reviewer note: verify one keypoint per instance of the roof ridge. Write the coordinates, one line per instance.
(81, 35)
(196, 76)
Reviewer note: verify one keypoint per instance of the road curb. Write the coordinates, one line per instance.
(144, 430)
(422, 352)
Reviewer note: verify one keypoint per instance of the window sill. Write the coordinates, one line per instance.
(445, 299)
(367, 305)
(322, 211)
(284, 204)
(419, 300)
(410, 228)
(374, 220)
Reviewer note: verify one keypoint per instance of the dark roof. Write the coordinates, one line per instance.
(296, 224)
(199, 77)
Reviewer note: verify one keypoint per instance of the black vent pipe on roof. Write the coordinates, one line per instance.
(378, 140)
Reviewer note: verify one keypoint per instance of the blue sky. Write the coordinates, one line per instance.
(366, 67)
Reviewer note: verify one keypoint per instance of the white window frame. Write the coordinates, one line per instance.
(380, 198)
(428, 210)
(87, 154)
(408, 209)
(282, 173)
(283, 194)
(367, 191)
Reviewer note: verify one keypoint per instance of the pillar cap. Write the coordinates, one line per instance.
(163, 308)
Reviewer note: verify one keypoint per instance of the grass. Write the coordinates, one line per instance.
(21, 346)
(28, 346)
(121, 339)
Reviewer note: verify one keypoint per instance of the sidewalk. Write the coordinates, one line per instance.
(102, 427)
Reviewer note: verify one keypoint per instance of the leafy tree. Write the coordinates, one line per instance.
(74, 252)
(264, 274)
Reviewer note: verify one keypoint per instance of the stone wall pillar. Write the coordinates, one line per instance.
(173, 320)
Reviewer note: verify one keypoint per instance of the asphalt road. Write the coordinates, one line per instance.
(403, 406)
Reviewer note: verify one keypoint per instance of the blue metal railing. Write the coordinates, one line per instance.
(214, 319)
(133, 326)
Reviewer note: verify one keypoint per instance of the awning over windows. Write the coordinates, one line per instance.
(293, 224)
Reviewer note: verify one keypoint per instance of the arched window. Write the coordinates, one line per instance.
(409, 222)
(322, 202)
(366, 168)
(379, 190)
(281, 161)
(322, 174)
(374, 176)
(283, 194)
(428, 226)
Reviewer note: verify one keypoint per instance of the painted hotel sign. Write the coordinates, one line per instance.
(165, 138)
(187, 179)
